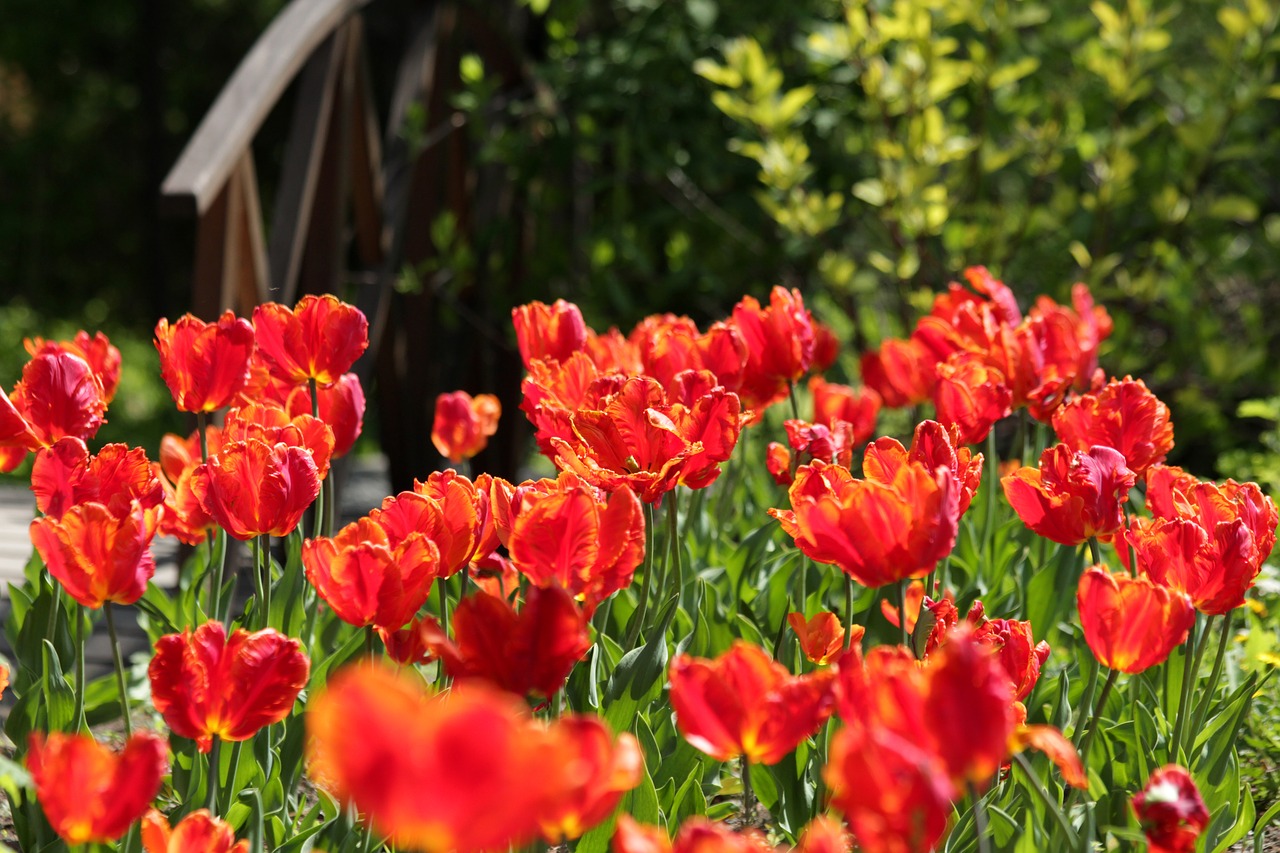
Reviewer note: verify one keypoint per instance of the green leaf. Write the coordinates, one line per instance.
(60, 698)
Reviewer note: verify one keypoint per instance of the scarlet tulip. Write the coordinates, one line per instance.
(272, 425)
(1171, 811)
(97, 351)
(858, 407)
(464, 423)
(250, 487)
(204, 364)
(59, 395)
(1016, 653)
(744, 703)
(604, 768)
(65, 475)
(669, 345)
(822, 637)
(97, 556)
(548, 332)
(576, 539)
(902, 372)
(1131, 624)
(779, 342)
(206, 684)
(1215, 570)
(184, 516)
(696, 835)
(89, 793)
(555, 390)
(1123, 415)
(319, 339)
(341, 407)
(448, 509)
(876, 531)
(1074, 495)
(932, 446)
(367, 578)
(198, 832)
(530, 652)
(972, 395)
(612, 353)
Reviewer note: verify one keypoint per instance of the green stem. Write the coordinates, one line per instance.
(216, 570)
(646, 570)
(902, 612)
(979, 819)
(673, 543)
(202, 425)
(315, 397)
(795, 407)
(1096, 722)
(748, 795)
(848, 612)
(228, 790)
(317, 526)
(215, 771)
(1059, 817)
(1202, 709)
(121, 683)
(369, 648)
(990, 484)
(80, 650)
(1095, 551)
(1086, 699)
(1193, 655)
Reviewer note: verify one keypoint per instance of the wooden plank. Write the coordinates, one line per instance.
(367, 187)
(251, 272)
(243, 104)
(303, 156)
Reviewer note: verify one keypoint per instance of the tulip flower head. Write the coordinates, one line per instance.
(1131, 624)
(250, 487)
(779, 342)
(204, 364)
(198, 832)
(97, 555)
(97, 351)
(320, 338)
(463, 424)
(206, 684)
(89, 793)
(1074, 495)
(1171, 811)
(1123, 415)
(59, 395)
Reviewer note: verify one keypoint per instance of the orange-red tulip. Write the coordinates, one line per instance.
(204, 364)
(902, 372)
(1074, 495)
(822, 637)
(206, 684)
(97, 556)
(696, 835)
(575, 538)
(65, 475)
(250, 487)
(669, 345)
(1171, 811)
(184, 517)
(341, 405)
(1068, 339)
(198, 832)
(1123, 415)
(858, 407)
(449, 510)
(933, 446)
(876, 531)
(272, 425)
(1215, 570)
(464, 423)
(97, 351)
(319, 339)
(89, 793)
(59, 395)
(745, 703)
(555, 390)
(826, 346)
(972, 395)
(1017, 652)
(604, 768)
(1131, 624)
(548, 332)
(612, 353)
(367, 578)
(1059, 750)
(427, 767)
(530, 652)
(779, 342)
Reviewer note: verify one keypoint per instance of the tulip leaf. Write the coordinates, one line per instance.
(320, 673)
(651, 664)
(60, 698)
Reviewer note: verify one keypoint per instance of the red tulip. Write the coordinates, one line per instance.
(877, 532)
(530, 652)
(449, 510)
(198, 832)
(1068, 338)
(779, 342)
(612, 353)
(548, 332)
(1131, 624)
(696, 835)
(96, 555)
(1171, 811)
(184, 516)
(1123, 415)
(969, 707)
(574, 538)
(555, 390)
(1016, 651)
(90, 794)
(65, 475)
(97, 351)
(204, 364)
(206, 684)
(604, 768)
(464, 423)
(972, 395)
(1074, 495)
(250, 488)
(822, 637)
(342, 406)
(319, 339)
(669, 345)
(932, 446)
(826, 346)
(272, 425)
(59, 395)
(902, 372)
(858, 407)
(744, 703)
(368, 579)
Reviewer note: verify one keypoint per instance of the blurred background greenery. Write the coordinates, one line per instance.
(681, 153)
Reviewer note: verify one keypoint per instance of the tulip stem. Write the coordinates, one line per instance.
(795, 407)
(989, 483)
(1086, 699)
(202, 424)
(1202, 708)
(262, 576)
(315, 397)
(673, 543)
(121, 684)
(748, 795)
(902, 612)
(1095, 551)
(1192, 654)
(646, 568)
(848, 612)
(1072, 841)
(215, 770)
(979, 818)
(80, 650)
(1096, 722)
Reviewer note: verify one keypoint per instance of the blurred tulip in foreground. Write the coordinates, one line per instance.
(198, 832)
(1171, 811)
